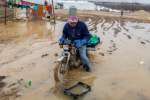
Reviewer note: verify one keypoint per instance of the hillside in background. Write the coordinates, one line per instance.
(123, 5)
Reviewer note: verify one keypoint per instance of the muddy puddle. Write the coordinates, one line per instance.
(121, 67)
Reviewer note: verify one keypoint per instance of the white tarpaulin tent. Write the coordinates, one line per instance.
(82, 5)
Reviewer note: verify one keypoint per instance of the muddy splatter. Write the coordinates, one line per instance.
(127, 35)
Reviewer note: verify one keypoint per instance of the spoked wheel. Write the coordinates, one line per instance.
(59, 72)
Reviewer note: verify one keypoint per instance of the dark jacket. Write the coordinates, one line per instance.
(77, 33)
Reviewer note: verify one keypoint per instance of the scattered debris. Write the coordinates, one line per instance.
(56, 54)
(2, 84)
(44, 55)
(142, 42)
(28, 84)
(2, 77)
(112, 47)
(102, 54)
(128, 36)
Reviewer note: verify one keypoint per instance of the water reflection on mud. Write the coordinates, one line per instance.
(120, 65)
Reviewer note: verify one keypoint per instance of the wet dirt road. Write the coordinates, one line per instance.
(121, 67)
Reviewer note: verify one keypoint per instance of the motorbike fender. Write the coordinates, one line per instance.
(60, 59)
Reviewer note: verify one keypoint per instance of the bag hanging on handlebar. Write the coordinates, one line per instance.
(94, 41)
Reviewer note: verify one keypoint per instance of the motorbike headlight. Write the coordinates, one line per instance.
(66, 47)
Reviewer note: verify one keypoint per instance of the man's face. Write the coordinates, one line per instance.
(73, 24)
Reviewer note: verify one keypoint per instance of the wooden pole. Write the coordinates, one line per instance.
(5, 11)
(14, 8)
(53, 11)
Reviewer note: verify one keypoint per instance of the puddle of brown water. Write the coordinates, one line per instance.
(123, 65)
(18, 31)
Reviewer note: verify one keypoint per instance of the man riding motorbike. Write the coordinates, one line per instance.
(77, 31)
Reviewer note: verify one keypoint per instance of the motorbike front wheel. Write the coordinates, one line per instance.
(60, 71)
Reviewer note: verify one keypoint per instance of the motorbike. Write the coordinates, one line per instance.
(69, 59)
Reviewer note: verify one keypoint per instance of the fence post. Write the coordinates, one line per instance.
(5, 11)
(53, 8)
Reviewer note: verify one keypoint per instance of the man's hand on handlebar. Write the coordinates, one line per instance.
(60, 45)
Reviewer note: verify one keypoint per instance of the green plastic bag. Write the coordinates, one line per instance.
(94, 41)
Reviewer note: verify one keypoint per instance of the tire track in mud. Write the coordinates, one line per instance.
(126, 32)
(117, 26)
(111, 25)
(143, 41)
(19, 54)
(10, 88)
(94, 23)
(117, 29)
(114, 25)
(123, 25)
(123, 28)
(2, 84)
(103, 23)
(112, 47)
(107, 24)
(127, 35)
(130, 35)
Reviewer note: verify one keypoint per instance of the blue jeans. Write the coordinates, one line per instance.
(84, 58)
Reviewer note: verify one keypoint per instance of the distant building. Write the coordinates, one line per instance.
(81, 5)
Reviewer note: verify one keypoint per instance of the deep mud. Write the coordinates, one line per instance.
(120, 65)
